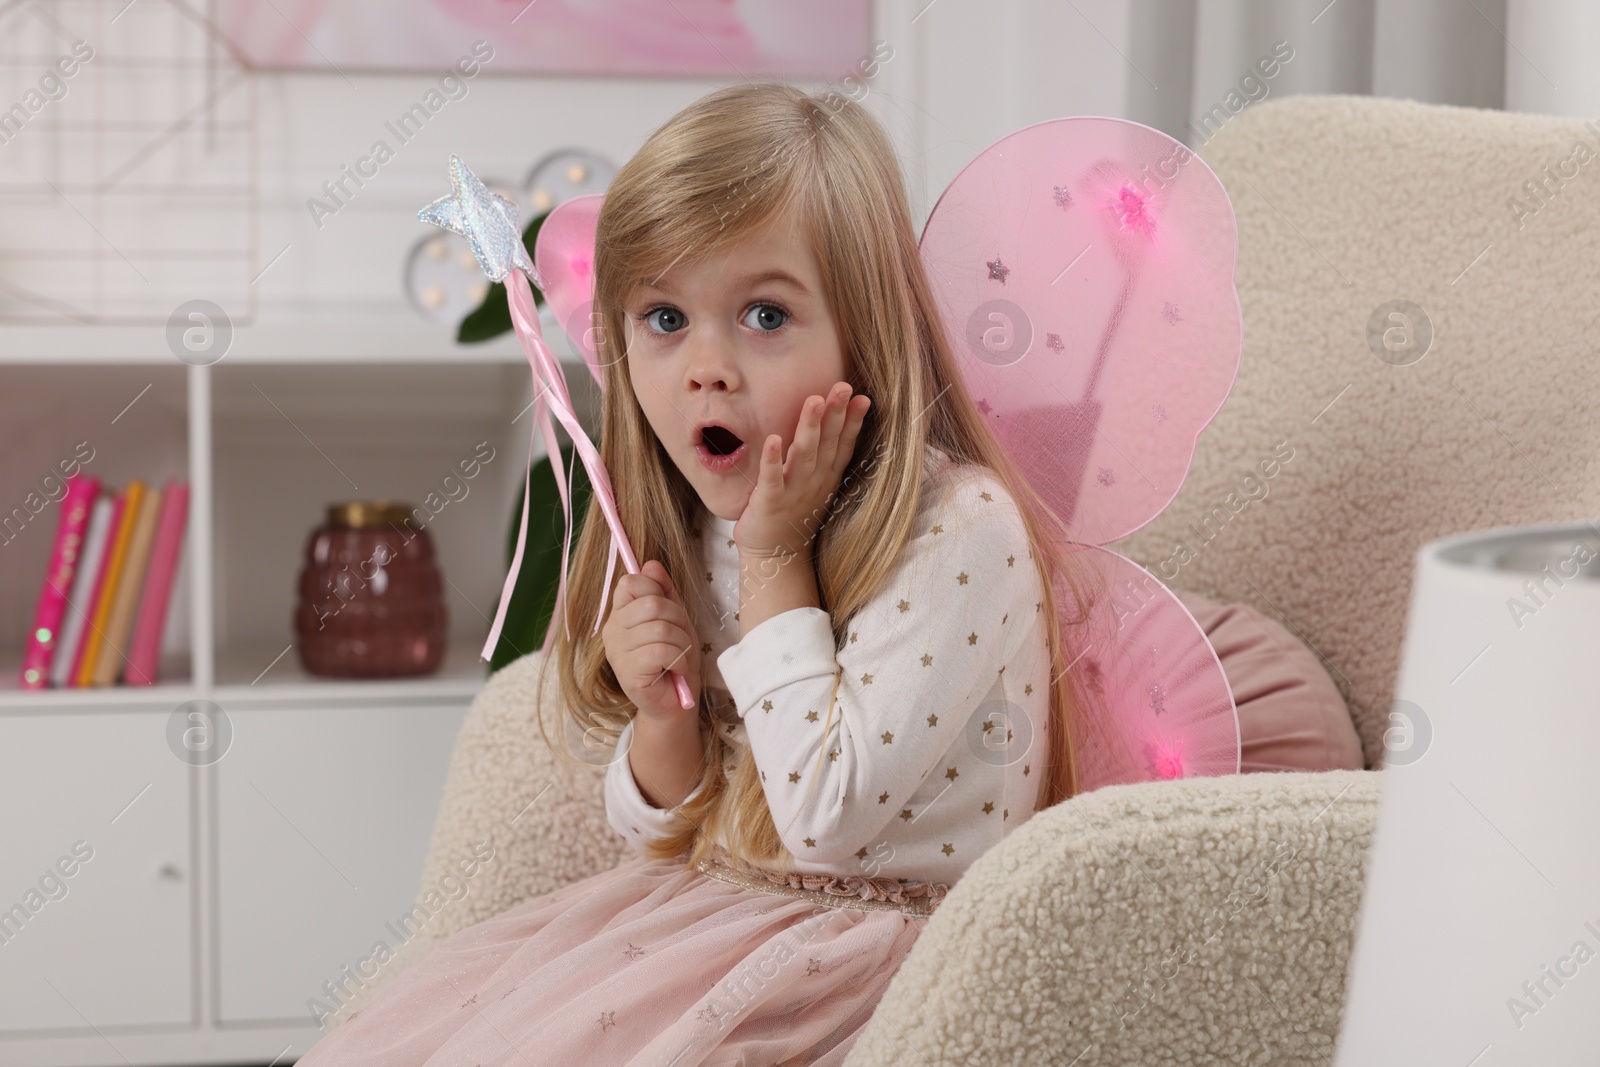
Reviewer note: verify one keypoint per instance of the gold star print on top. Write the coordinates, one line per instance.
(922, 735)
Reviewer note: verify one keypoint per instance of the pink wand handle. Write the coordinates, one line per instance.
(550, 383)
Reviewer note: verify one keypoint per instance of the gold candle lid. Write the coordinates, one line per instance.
(366, 514)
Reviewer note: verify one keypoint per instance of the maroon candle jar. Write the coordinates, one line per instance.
(370, 603)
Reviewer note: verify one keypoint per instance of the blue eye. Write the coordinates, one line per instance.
(672, 314)
(767, 318)
(770, 318)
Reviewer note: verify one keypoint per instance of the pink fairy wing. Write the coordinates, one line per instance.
(563, 254)
(1084, 268)
(1154, 701)
(1086, 271)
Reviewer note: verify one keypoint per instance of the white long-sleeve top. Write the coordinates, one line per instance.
(934, 747)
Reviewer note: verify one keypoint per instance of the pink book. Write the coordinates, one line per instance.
(119, 516)
(81, 599)
(52, 605)
(144, 651)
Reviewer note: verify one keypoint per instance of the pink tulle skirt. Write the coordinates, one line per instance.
(651, 963)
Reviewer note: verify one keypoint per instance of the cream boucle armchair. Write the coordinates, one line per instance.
(1210, 920)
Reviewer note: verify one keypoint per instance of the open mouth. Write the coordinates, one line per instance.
(720, 441)
(719, 448)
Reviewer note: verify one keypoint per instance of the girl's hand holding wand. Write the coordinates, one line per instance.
(647, 635)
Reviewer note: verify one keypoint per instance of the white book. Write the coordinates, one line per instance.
(74, 620)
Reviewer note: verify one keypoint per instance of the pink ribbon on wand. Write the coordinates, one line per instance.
(550, 380)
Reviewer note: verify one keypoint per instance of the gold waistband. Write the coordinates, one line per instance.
(915, 898)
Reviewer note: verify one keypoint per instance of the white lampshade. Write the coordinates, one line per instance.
(1479, 932)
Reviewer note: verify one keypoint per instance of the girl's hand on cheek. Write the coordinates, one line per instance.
(793, 493)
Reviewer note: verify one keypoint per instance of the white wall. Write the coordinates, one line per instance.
(1550, 57)
(962, 74)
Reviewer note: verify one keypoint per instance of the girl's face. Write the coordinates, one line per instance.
(740, 341)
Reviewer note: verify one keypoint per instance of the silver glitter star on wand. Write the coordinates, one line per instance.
(486, 219)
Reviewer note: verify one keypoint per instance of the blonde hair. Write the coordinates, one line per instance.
(716, 171)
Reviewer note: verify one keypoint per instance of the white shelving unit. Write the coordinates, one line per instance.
(220, 898)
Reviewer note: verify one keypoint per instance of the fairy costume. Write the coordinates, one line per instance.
(653, 962)
(1099, 387)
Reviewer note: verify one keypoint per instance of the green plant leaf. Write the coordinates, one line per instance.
(533, 597)
(492, 318)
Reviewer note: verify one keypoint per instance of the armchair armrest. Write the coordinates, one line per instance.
(1201, 921)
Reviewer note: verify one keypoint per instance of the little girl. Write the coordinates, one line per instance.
(848, 572)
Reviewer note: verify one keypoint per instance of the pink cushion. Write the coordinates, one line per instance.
(1291, 716)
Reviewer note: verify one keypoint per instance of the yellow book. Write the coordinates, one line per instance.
(94, 637)
(109, 666)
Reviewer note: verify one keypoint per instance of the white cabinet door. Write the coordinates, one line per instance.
(323, 821)
(96, 873)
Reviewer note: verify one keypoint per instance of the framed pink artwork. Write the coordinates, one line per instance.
(820, 39)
